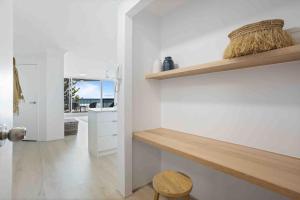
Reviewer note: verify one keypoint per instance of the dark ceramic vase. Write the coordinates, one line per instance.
(168, 64)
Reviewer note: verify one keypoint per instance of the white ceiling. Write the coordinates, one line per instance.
(85, 28)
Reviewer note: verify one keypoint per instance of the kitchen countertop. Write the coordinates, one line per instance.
(114, 109)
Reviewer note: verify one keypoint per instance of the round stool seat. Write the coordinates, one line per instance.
(172, 184)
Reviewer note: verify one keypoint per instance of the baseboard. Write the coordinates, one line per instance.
(107, 152)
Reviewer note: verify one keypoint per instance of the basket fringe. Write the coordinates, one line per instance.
(257, 42)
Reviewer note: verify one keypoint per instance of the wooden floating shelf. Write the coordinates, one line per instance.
(276, 172)
(287, 54)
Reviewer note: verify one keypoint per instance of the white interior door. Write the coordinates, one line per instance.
(28, 109)
(6, 119)
(6, 95)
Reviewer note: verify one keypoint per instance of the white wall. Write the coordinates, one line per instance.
(6, 97)
(253, 107)
(193, 37)
(256, 107)
(40, 62)
(145, 96)
(127, 9)
(145, 163)
(55, 93)
(81, 27)
(93, 67)
(211, 184)
(50, 93)
(124, 99)
(86, 29)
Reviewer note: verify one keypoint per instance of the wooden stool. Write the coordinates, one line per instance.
(172, 184)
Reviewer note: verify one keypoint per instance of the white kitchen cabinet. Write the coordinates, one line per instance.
(103, 131)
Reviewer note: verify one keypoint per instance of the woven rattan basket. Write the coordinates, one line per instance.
(257, 37)
(71, 127)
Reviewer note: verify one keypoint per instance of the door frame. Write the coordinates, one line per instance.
(39, 61)
(127, 10)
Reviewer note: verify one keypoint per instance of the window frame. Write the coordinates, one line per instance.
(70, 85)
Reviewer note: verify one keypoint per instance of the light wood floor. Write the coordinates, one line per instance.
(64, 170)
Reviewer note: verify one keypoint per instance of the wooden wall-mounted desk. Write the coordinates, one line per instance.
(276, 172)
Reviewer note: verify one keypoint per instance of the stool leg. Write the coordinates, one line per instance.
(156, 195)
(186, 197)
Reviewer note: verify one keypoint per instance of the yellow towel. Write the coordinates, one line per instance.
(17, 89)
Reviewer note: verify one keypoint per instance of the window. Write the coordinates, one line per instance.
(108, 93)
(81, 94)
